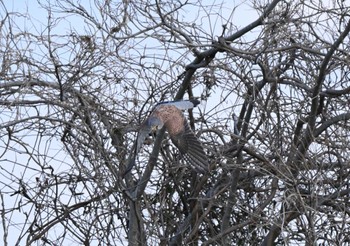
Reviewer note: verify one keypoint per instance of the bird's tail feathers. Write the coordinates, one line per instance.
(182, 104)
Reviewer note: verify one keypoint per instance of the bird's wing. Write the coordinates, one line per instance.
(145, 129)
(141, 136)
(191, 149)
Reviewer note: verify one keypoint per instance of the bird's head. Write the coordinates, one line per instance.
(153, 123)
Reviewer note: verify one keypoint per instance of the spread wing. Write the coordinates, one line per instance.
(191, 149)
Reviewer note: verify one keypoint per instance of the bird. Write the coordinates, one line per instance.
(170, 115)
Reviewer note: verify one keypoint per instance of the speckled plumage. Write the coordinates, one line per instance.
(170, 115)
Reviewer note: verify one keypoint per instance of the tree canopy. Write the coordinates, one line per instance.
(77, 78)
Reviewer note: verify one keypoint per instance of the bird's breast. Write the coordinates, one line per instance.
(175, 125)
(172, 118)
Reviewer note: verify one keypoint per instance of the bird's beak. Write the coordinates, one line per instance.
(154, 128)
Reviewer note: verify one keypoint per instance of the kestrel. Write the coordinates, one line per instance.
(171, 116)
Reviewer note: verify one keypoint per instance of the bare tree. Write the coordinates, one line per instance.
(274, 125)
